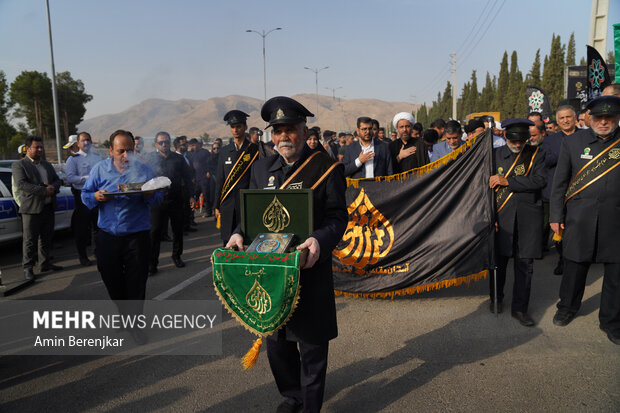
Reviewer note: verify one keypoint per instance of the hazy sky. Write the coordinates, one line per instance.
(126, 51)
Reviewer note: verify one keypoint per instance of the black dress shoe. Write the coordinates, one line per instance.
(28, 274)
(139, 337)
(562, 318)
(51, 267)
(152, 269)
(84, 261)
(289, 406)
(559, 269)
(178, 262)
(613, 337)
(500, 307)
(166, 237)
(523, 318)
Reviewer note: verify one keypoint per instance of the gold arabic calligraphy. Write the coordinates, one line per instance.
(258, 299)
(368, 237)
(276, 216)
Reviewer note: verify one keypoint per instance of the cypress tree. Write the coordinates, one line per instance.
(485, 103)
(570, 50)
(553, 72)
(503, 82)
(533, 78)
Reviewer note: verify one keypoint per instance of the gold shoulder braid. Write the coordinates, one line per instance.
(502, 194)
(602, 163)
(238, 170)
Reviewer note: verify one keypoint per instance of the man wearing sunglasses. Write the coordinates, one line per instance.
(172, 165)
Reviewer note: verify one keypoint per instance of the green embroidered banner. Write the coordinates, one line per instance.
(260, 290)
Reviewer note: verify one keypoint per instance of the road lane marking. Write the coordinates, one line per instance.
(183, 285)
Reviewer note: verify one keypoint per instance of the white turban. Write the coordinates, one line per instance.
(403, 115)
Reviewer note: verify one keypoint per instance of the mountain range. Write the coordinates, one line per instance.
(195, 117)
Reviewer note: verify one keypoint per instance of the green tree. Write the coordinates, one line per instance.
(553, 72)
(422, 116)
(72, 98)
(503, 82)
(533, 78)
(487, 96)
(31, 91)
(6, 130)
(516, 96)
(570, 50)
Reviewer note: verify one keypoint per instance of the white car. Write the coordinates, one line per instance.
(10, 220)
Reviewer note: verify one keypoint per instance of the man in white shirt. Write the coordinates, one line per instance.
(367, 157)
(77, 170)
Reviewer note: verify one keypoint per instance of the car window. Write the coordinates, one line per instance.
(5, 177)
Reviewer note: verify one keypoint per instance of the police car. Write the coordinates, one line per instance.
(11, 222)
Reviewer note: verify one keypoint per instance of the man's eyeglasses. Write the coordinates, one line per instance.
(163, 142)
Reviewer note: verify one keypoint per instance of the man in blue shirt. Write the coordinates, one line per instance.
(452, 135)
(77, 169)
(123, 241)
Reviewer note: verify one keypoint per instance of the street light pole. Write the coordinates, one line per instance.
(316, 83)
(264, 34)
(334, 89)
(54, 92)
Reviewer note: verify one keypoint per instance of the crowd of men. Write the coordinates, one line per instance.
(538, 184)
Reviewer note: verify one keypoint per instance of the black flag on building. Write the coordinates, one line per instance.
(423, 229)
(598, 75)
(538, 101)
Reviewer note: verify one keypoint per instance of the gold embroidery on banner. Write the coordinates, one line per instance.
(614, 153)
(368, 237)
(519, 170)
(276, 216)
(258, 299)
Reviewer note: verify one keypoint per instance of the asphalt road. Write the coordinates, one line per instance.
(433, 352)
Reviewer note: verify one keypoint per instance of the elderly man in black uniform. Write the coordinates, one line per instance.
(518, 188)
(233, 173)
(298, 352)
(584, 210)
(164, 162)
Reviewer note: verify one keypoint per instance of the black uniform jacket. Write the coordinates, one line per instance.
(592, 216)
(524, 210)
(176, 169)
(418, 159)
(314, 320)
(230, 209)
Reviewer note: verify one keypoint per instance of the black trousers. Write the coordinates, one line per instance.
(299, 369)
(38, 230)
(573, 286)
(172, 209)
(523, 270)
(187, 211)
(83, 221)
(123, 264)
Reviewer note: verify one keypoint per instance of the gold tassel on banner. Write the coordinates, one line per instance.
(249, 360)
(218, 223)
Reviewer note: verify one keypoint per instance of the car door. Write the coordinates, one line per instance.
(10, 221)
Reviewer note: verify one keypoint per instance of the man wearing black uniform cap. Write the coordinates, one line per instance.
(518, 188)
(584, 211)
(298, 351)
(233, 173)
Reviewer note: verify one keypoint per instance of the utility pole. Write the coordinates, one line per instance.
(316, 83)
(454, 85)
(54, 91)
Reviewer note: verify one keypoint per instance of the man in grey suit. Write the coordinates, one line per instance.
(367, 157)
(37, 184)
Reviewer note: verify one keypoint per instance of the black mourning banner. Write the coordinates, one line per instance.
(538, 101)
(598, 75)
(424, 229)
